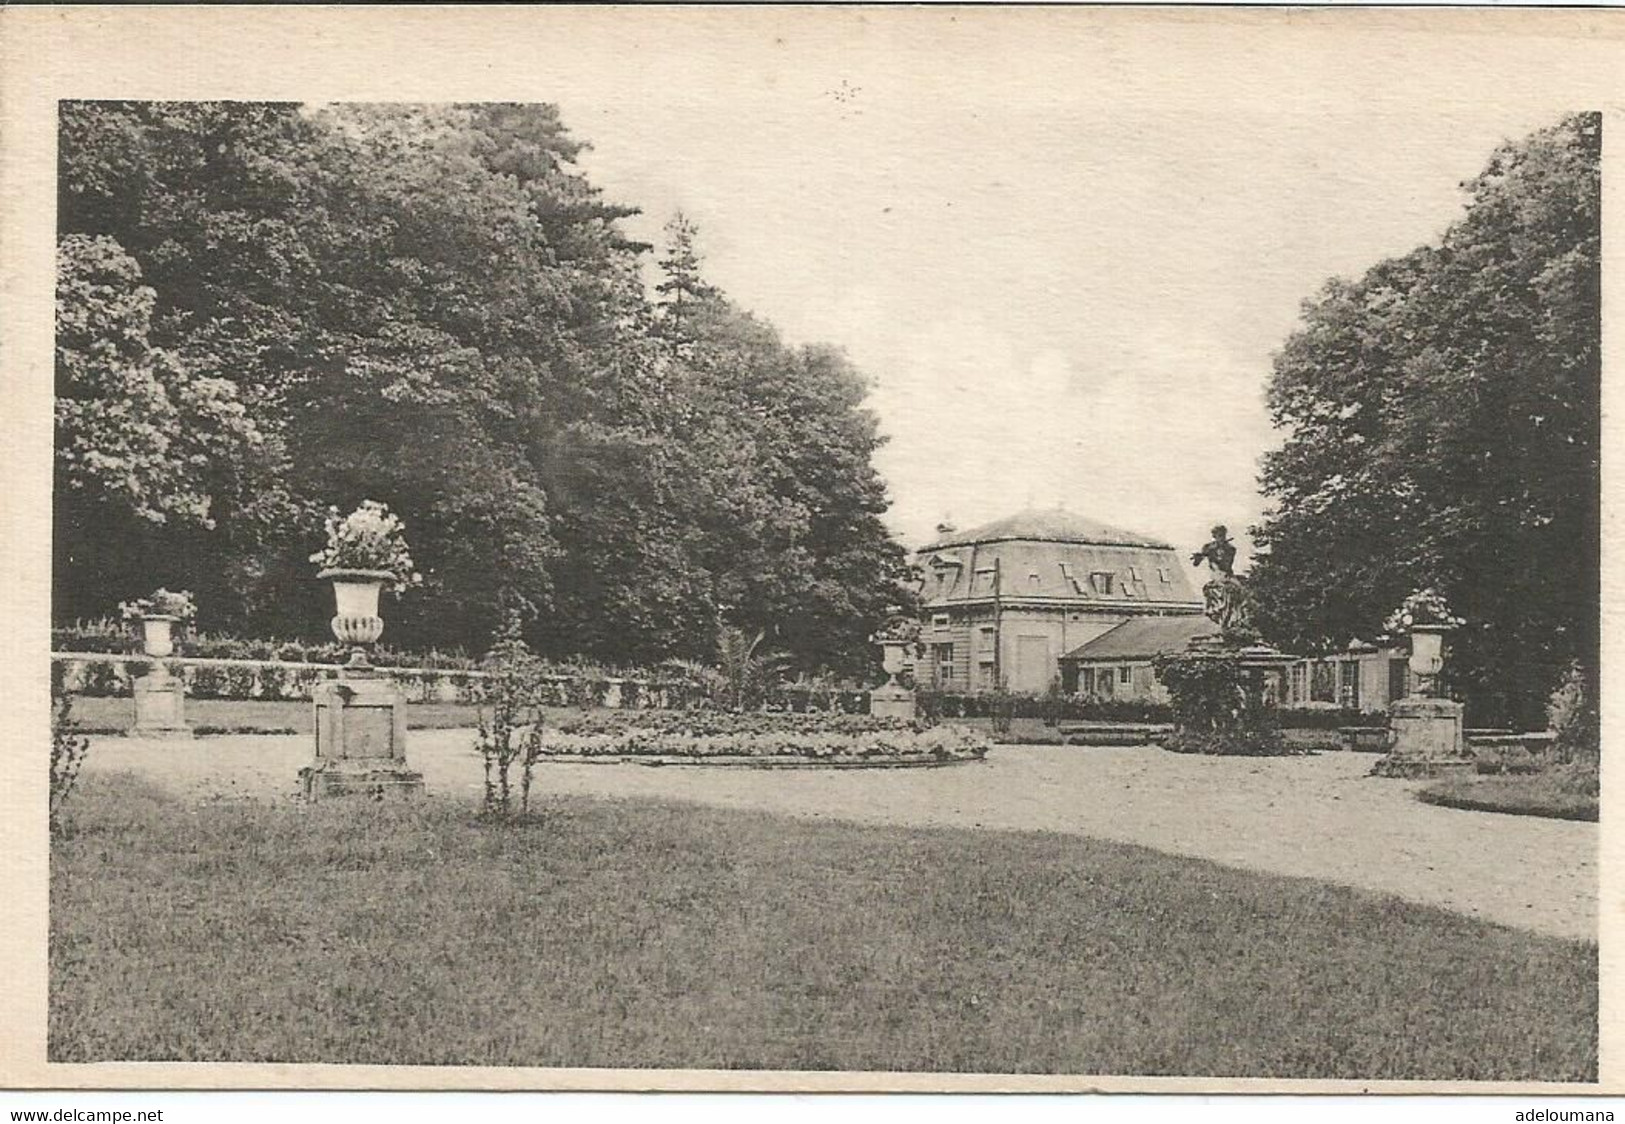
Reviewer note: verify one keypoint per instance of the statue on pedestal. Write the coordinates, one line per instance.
(1226, 594)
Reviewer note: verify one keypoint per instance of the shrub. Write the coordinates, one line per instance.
(1216, 710)
(1232, 742)
(94, 636)
(1331, 718)
(237, 682)
(207, 681)
(515, 726)
(68, 750)
(273, 681)
(100, 678)
(1572, 713)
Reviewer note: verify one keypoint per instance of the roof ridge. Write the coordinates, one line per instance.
(1048, 525)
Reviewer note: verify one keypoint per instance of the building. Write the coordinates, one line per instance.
(1117, 663)
(1004, 601)
(1364, 677)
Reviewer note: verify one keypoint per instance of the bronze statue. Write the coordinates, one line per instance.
(1226, 594)
(1220, 553)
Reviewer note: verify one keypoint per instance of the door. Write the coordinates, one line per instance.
(1032, 671)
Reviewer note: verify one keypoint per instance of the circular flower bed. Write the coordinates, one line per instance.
(763, 739)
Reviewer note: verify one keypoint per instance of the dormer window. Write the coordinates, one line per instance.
(1102, 582)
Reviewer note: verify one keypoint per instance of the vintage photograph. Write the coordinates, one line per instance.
(861, 574)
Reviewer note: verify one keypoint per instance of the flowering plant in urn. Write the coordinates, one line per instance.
(898, 635)
(1427, 617)
(157, 616)
(366, 550)
(370, 538)
(1426, 608)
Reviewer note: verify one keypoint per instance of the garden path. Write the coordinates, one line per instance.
(1316, 817)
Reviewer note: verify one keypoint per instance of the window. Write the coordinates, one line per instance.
(1124, 674)
(984, 640)
(1300, 683)
(1086, 680)
(1101, 581)
(984, 580)
(1162, 575)
(944, 654)
(1322, 682)
(1348, 684)
(1133, 573)
(1399, 678)
(940, 622)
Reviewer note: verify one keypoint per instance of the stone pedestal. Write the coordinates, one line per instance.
(891, 702)
(160, 702)
(1427, 740)
(360, 741)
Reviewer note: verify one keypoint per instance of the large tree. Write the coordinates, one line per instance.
(267, 309)
(1442, 417)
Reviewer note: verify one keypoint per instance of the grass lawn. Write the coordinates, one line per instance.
(1559, 793)
(636, 934)
(254, 715)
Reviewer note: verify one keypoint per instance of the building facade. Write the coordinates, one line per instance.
(1117, 664)
(1004, 601)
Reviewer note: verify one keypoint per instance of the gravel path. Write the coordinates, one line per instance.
(1317, 817)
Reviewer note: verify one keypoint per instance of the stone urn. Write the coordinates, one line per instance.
(356, 621)
(360, 716)
(1427, 654)
(1426, 734)
(893, 658)
(158, 634)
(891, 699)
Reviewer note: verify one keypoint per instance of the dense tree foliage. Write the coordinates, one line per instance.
(265, 309)
(1443, 430)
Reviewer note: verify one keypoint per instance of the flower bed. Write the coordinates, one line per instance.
(760, 738)
(723, 723)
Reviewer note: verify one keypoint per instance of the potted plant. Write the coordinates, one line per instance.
(158, 616)
(1426, 616)
(895, 639)
(365, 552)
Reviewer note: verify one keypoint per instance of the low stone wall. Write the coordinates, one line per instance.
(102, 673)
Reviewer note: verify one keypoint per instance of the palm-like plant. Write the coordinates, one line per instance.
(742, 673)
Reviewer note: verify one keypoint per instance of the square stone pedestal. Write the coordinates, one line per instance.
(891, 702)
(160, 703)
(360, 741)
(1427, 740)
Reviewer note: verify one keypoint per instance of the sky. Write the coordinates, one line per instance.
(1064, 260)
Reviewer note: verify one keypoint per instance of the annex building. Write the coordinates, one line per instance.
(1004, 601)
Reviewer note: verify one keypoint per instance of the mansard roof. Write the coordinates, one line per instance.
(1053, 525)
